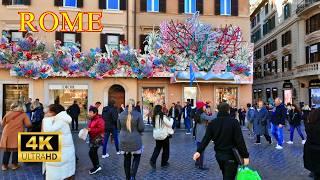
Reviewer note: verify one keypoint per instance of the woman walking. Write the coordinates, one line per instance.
(162, 125)
(242, 116)
(96, 134)
(260, 122)
(311, 153)
(57, 120)
(131, 126)
(295, 123)
(12, 123)
(202, 119)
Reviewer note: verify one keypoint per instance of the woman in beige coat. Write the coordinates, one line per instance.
(12, 123)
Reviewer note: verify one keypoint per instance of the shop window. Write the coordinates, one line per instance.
(67, 94)
(113, 5)
(315, 97)
(255, 94)
(16, 2)
(268, 94)
(150, 97)
(70, 3)
(190, 94)
(227, 94)
(190, 6)
(225, 7)
(153, 5)
(13, 93)
(259, 94)
(274, 93)
(287, 94)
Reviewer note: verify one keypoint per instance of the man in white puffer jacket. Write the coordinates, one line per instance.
(57, 120)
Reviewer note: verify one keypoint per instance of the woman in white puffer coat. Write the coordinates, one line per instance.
(57, 120)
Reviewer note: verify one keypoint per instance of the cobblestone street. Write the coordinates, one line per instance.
(272, 164)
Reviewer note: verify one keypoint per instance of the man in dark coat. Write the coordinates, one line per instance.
(278, 120)
(174, 113)
(260, 121)
(186, 116)
(110, 116)
(138, 107)
(74, 112)
(179, 107)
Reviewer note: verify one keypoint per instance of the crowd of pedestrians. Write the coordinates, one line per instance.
(125, 125)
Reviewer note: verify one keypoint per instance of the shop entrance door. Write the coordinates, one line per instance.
(117, 93)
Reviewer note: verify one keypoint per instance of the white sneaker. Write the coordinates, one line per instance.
(118, 153)
(105, 156)
(303, 141)
(188, 133)
(279, 147)
(289, 142)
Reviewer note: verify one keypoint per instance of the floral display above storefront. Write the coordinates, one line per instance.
(168, 52)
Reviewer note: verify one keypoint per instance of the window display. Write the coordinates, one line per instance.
(66, 94)
(190, 94)
(287, 96)
(315, 97)
(227, 94)
(151, 96)
(12, 93)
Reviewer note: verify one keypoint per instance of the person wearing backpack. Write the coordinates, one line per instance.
(227, 136)
(161, 133)
(202, 119)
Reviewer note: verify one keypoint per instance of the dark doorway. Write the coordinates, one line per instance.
(117, 93)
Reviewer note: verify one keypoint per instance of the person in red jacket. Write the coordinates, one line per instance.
(96, 134)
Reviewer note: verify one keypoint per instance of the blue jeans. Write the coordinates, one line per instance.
(277, 133)
(106, 138)
(292, 128)
(187, 123)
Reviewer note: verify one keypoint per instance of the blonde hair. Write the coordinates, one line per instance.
(17, 106)
(129, 117)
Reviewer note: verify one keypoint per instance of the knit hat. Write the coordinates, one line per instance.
(200, 104)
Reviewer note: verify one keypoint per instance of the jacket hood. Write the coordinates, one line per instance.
(63, 116)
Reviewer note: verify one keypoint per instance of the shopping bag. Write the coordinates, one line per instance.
(83, 134)
(245, 173)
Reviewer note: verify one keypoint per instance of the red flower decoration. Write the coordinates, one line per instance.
(109, 61)
(161, 51)
(115, 53)
(43, 70)
(124, 42)
(111, 72)
(172, 52)
(29, 72)
(3, 46)
(28, 55)
(143, 62)
(78, 55)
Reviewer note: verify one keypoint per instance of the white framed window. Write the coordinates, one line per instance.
(113, 5)
(70, 3)
(190, 6)
(225, 7)
(190, 94)
(69, 39)
(113, 42)
(153, 5)
(15, 36)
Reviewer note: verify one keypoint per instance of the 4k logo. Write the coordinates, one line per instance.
(39, 147)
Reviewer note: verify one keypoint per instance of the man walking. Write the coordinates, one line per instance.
(260, 121)
(173, 113)
(179, 107)
(249, 118)
(278, 120)
(186, 116)
(110, 117)
(74, 112)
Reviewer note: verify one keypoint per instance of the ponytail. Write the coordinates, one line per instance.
(129, 117)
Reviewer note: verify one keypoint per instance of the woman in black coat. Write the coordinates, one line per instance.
(295, 123)
(311, 154)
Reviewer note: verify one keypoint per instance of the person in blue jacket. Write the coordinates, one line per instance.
(278, 120)
(260, 122)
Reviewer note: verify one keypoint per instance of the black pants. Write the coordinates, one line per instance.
(178, 124)
(93, 154)
(74, 120)
(165, 146)
(268, 138)
(131, 168)
(194, 129)
(229, 169)
(316, 176)
(6, 157)
(242, 123)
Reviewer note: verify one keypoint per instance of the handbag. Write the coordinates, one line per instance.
(245, 173)
(83, 134)
(160, 133)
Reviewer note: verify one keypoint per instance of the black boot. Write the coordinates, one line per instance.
(135, 165)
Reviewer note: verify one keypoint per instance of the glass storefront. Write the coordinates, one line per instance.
(287, 93)
(66, 94)
(190, 94)
(151, 96)
(315, 97)
(12, 93)
(228, 94)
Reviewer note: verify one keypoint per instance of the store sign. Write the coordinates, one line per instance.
(314, 83)
(287, 85)
(66, 86)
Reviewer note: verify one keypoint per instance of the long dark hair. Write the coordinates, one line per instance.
(157, 111)
(314, 116)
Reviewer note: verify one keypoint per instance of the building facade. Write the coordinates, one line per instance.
(286, 51)
(130, 20)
